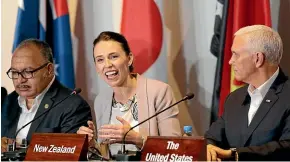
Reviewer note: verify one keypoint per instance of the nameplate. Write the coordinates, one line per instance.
(174, 149)
(57, 147)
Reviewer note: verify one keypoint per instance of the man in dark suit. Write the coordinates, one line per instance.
(255, 124)
(36, 91)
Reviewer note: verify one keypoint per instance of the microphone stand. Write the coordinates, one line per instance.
(125, 156)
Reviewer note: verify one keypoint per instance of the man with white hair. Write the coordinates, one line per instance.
(256, 122)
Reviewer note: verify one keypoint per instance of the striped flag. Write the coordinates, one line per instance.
(48, 20)
(236, 14)
(217, 49)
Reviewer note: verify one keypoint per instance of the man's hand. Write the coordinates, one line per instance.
(215, 153)
(5, 142)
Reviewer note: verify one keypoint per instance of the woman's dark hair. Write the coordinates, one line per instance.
(112, 36)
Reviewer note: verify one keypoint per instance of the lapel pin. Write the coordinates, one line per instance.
(46, 106)
(268, 101)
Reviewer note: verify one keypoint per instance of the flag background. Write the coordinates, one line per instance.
(236, 14)
(48, 20)
(184, 61)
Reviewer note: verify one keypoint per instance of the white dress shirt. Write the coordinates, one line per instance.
(27, 115)
(258, 95)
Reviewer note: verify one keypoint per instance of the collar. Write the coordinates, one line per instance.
(263, 89)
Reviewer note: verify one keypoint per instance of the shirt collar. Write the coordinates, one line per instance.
(263, 89)
(37, 100)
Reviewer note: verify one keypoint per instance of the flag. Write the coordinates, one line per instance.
(237, 14)
(144, 37)
(217, 49)
(48, 20)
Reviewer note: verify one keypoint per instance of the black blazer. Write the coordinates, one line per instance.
(268, 135)
(67, 117)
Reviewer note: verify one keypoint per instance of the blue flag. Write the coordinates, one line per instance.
(48, 20)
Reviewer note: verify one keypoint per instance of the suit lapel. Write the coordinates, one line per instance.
(107, 109)
(267, 103)
(142, 99)
(261, 113)
(242, 118)
(46, 103)
(103, 109)
(12, 130)
(14, 117)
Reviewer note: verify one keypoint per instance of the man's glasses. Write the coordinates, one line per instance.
(26, 74)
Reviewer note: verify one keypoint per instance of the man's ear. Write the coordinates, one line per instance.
(50, 69)
(260, 59)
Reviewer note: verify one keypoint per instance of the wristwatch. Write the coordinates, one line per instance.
(235, 154)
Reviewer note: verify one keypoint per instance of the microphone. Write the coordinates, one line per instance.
(187, 97)
(74, 92)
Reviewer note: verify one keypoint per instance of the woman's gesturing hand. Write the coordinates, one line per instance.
(114, 133)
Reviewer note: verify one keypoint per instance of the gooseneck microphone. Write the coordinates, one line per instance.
(74, 92)
(187, 97)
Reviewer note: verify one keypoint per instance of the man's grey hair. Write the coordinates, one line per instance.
(263, 39)
(44, 48)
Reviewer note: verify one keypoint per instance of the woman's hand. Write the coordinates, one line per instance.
(90, 131)
(115, 133)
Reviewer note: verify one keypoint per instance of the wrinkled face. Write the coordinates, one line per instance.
(29, 58)
(112, 63)
(242, 61)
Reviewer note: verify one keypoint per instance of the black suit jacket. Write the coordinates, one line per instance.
(268, 135)
(66, 117)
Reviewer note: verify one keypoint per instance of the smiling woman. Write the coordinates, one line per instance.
(130, 99)
(113, 59)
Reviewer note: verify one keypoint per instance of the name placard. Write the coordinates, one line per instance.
(158, 148)
(57, 147)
